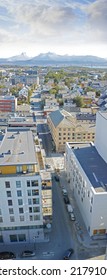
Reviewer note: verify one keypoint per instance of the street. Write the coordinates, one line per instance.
(63, 234)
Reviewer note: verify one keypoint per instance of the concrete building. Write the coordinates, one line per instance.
(8, 103)
(21, 208)
(65, 127)
(86, 167)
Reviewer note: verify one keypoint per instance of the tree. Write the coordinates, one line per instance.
(78, 100)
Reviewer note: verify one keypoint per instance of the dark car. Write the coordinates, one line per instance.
(27, 253)
(66, 199)
(56, 178)
(7, 255)
(68, 254)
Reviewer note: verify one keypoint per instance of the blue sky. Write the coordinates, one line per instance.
(75, 27)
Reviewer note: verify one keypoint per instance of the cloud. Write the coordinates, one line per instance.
(53, 23)
(96, 24)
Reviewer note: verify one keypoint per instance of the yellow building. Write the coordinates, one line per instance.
(65, 127)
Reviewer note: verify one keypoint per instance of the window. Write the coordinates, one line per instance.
(29, 201)
(22, 218)
(88, 193)
(34, 183)
(0, 212)
(35, 192)
(12, 219)
(92, 200)
(31, 218)
(22, 237)
(1, 220)
(28, 183)
(13, 238)
(21, 210)
(11, 211)
(29, 192)
(20, 201)
(36, 209)
(7, 184)
(8, 193)
(19, 168)
(91, 209)
(36, 217)
(35, 200)
(18, 184)
(30, 168)
(30, 209)
(10, 203)
(19, 193)
(1, 239)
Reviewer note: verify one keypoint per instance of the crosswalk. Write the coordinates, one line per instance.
(48, 254)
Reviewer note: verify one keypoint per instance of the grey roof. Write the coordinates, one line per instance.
(87, 116)
(17, 147)
(93, 165)
(56, 117)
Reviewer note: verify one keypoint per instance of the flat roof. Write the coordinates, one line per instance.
(93, 165)
(17, 147)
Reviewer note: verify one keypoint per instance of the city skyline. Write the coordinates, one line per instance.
(60, 26)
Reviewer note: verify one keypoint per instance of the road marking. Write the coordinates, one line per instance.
(46, 254)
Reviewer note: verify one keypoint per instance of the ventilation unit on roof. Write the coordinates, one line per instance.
(24, 171)
(2, 155)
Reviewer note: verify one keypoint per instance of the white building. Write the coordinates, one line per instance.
(21, 218)
(86, 167)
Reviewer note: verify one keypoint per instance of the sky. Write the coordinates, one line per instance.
(73, 27)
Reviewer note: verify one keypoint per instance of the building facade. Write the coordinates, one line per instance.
(86, 168)
(65, 127)
(21, 211)
(8, 103)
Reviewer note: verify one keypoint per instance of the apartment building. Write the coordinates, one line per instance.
(21, 208)
(8, 103)
(65, 127)
(86, 167)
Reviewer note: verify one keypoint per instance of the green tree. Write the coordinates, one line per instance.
(78, 100)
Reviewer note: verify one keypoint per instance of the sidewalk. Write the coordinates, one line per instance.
(79, 226)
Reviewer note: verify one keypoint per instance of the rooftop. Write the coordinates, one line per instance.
(93, 165)
(17, 147)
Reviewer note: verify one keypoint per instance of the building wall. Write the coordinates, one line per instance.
(88, 200)
(25, 204)
(101, 135)
(69, 132)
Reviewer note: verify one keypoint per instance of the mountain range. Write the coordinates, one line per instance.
(52, 59)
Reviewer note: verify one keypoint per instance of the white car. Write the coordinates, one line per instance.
(72, 217)
(27, 253)
(64, 191)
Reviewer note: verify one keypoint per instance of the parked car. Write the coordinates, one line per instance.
(66, 199)
(64, 191)
(7, 255)
(68, 254)
(28, 253)
(72, 217)
(69, 208)
(56, 178)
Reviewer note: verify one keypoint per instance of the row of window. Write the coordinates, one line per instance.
(32, 183)
(34, 217)
(15, 238)
(19, 193)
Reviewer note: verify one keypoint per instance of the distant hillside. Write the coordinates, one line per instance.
(54, 59)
